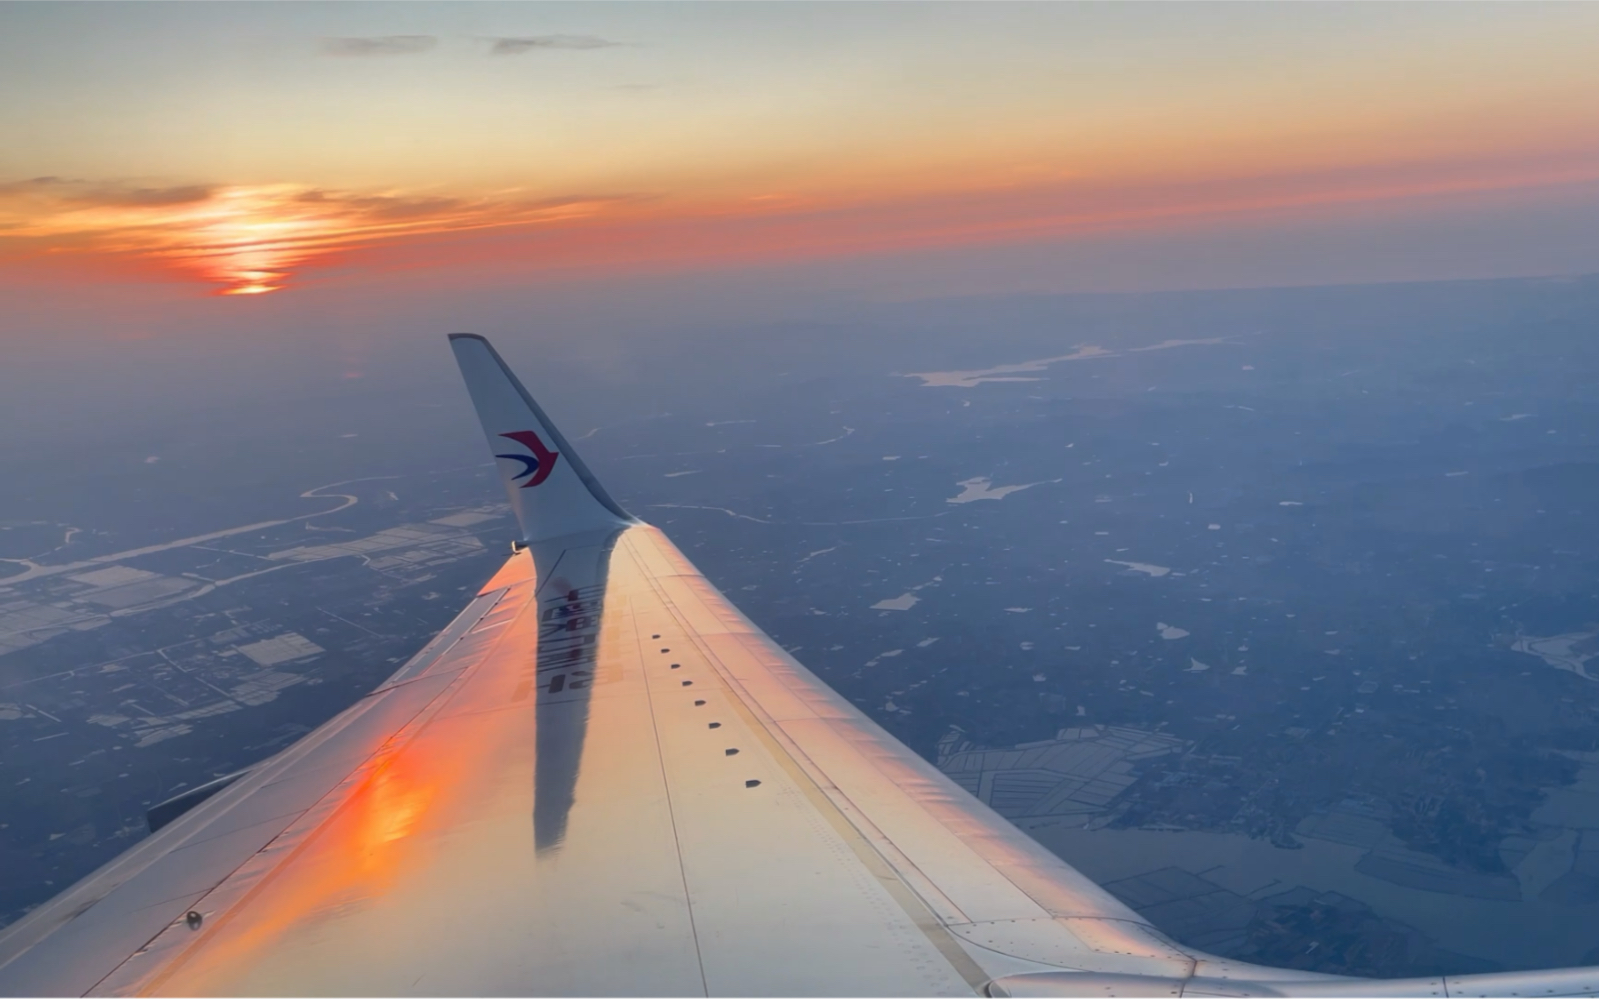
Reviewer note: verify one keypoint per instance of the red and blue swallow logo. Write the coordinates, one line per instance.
(537, 464)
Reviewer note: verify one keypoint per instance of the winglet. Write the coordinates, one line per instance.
(551, 490)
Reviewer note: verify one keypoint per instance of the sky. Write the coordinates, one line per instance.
(157, 153)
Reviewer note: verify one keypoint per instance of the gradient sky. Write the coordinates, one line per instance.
(246, 148)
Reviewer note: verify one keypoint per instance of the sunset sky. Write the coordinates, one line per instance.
(252, 148)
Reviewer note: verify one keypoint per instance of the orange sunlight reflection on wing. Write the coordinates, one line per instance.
(391, 802)
(354, 858)
(353, 873)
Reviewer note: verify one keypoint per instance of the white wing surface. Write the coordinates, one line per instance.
(602, 779)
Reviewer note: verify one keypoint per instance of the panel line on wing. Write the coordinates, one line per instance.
(787, 756)
(918, 881)
(907, 897)
(666, 784)
(770, 728)
(445, 640)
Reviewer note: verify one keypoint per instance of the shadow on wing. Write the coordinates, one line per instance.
(571, 599)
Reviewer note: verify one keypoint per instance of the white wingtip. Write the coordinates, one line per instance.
(552, 492)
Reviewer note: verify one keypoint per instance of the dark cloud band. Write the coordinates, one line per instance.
(68, 191)
(381, 45)
(541, 43)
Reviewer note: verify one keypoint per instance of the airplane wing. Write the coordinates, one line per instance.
(602, 779)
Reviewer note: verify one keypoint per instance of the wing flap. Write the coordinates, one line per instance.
(470, 619)
(75, 940)
(115, 913)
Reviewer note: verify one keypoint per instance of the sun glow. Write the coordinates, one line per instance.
(255, 240)
(248, 240)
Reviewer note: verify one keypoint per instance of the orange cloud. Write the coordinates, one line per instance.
(247, 240)
(251, 239)
(772, 229)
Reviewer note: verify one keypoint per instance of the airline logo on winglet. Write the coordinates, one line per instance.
(537, 464)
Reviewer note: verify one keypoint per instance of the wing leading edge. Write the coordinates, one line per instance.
(603, 779)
